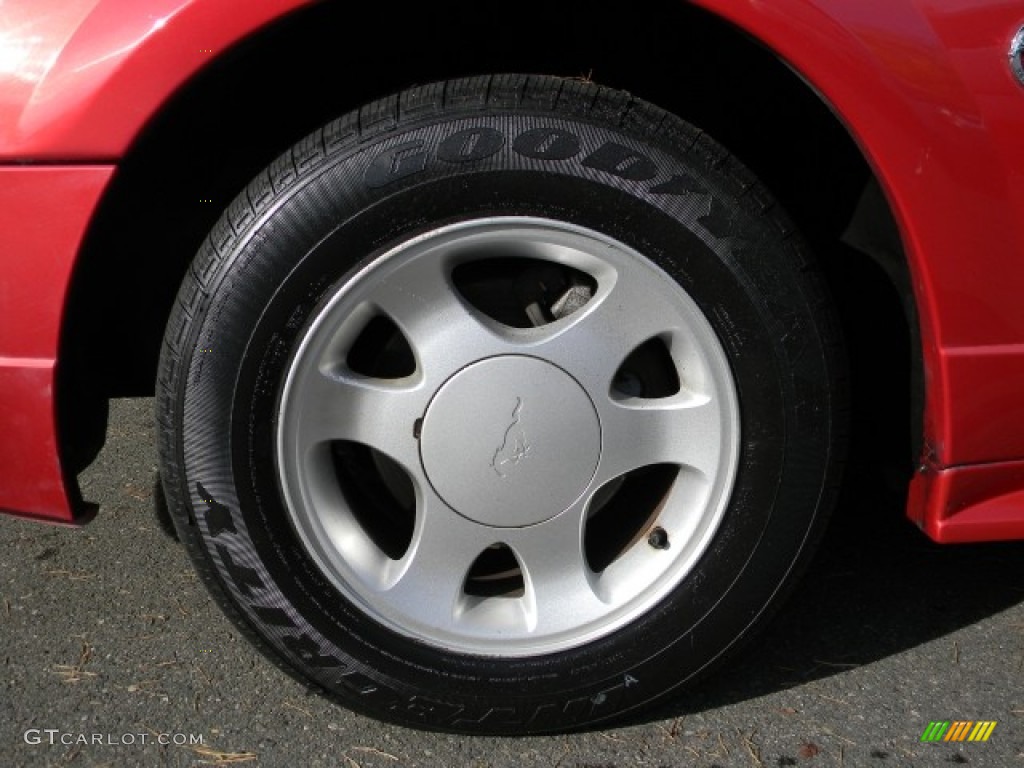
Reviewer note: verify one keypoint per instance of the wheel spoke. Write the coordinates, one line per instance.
(626, 311)
(377, 413)
(558, 582)
(685, 430)
(427, 583)
(444, 332)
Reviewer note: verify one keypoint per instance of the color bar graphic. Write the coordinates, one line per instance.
(935, 730)
(982, 730)
(958, 730)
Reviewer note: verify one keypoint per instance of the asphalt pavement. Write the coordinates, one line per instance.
(113, 654)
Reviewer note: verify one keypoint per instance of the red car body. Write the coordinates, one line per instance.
(924, 87)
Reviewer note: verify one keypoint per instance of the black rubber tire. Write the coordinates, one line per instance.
(391, 170)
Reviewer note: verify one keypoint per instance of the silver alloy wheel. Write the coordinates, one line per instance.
(509, 438)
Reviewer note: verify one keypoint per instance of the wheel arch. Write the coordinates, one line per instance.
(197, 151)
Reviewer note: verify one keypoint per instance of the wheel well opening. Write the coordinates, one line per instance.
(256, 100)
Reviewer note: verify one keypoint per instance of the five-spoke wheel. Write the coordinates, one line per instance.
(524, 454)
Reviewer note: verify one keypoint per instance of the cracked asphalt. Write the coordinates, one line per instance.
(106, 635)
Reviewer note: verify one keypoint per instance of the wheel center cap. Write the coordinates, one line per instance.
(510, 441)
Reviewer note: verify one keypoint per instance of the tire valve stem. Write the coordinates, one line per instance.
(658, 539)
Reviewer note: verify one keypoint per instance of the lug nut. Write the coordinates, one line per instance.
(658, 539)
